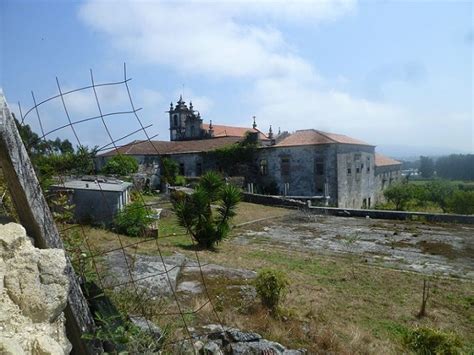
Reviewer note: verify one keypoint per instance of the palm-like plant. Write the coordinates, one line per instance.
(195, 213)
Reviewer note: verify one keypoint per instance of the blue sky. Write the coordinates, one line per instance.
(393, 73)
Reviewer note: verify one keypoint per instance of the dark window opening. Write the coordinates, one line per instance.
(175, 119)
(357, 170)
(192, 131)
(263, 167)
(198, 169)
(319, 168)
(349, 171)
(285, 166)
(181, 169)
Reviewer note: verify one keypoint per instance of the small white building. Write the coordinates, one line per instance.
(96, 200)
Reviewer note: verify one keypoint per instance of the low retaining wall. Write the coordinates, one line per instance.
(272, 200)
(347, 212)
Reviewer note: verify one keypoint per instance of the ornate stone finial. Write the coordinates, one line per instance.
(171, 105)
(254, 125)
(211, 129)
(270, 132)
(191, 105)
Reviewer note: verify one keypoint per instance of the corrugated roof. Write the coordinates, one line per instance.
(175, 147)
(312, 137)
(382, 160)
(231, 131)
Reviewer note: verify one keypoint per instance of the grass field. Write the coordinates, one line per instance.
(335, 303)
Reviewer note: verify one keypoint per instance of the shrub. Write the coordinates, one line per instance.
(121, 165)
(180, 180)
(426, 341)
(133, 220)
(461, 202)
(195, 214)
(271, 287)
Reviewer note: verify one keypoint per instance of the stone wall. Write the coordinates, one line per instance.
(384, 177)
(301, 175)
(33, 294)
(355, 176)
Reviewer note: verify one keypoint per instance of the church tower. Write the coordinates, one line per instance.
(185, 123)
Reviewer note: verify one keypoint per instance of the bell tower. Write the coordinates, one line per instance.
(185, 123)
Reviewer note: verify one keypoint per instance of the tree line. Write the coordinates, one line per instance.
(452, 167)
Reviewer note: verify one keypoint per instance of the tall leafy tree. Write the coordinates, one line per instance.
(427, 167)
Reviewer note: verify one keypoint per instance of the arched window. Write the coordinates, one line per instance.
(175, 119)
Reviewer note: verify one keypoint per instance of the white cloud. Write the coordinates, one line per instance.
(209, 37)
(235, 40)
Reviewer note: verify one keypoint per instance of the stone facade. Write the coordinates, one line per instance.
(329, 169)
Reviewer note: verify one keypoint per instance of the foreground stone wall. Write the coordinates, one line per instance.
(33, 294)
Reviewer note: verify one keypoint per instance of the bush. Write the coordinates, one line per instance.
(426, 341)
(194, 212)
(271, 287)
(121, 165)
(180, 180)
(461, 202)
(133, 220)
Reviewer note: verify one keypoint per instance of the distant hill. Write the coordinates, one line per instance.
(409, 153)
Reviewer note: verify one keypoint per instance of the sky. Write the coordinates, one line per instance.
(396, 74)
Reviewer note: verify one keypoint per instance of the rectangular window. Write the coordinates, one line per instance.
(319, 166)
(349, 171)
(198, 169)
(285, 166)
(181, 169)
(357, 170)
(263, 167)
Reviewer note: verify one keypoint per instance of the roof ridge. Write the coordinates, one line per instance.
(325, 134)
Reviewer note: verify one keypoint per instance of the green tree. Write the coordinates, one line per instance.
(426, 167)
(195, 213)
(400, 194)
(438, 192)
(169, 171)
(461, 202)
(456, 167)
(121, 165)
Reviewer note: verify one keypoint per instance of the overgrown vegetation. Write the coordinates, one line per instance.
(169, 171)
(427, 341)
(435, 195)
(133, 220)
(57, 157)
(120, 165)
(235, 159)
(271, 286)
(195, 214)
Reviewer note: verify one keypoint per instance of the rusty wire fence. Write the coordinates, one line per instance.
(116, 295)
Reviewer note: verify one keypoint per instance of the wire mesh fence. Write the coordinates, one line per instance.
(107, 262)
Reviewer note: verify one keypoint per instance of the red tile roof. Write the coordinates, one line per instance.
(231, 131)
(312, 137)
(176, 147)
(382, 160)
